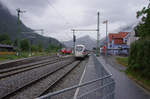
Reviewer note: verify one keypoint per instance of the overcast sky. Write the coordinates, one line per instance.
(58, 17)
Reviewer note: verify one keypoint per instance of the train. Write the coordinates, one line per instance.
(81, 52)
(66, 50)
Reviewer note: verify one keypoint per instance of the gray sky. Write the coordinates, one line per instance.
(58, 17)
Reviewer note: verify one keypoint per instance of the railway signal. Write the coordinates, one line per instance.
(18, 23)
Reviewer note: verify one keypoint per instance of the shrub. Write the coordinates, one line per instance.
(139, 57)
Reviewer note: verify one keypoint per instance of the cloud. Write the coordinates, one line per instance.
(57, 17)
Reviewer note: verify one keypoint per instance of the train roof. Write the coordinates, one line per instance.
(80, 45)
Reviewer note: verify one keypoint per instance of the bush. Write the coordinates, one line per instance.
(139, 57)
(24, 45)
(52, 48)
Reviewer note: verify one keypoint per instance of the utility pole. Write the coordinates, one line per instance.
(98, 35)
(106, 22)
(74, 41)
(106, 38)
(19, 29)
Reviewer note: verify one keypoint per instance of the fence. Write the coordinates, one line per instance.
(104, 89)
(103, 92)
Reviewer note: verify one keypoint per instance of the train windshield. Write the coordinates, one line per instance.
(79, 48)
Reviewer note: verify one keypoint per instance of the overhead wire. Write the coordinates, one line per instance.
(68, 24)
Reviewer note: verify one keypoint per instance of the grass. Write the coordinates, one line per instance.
(144, 82)
(136, 76)
(122, 60)
(8, 57)
(22, 55)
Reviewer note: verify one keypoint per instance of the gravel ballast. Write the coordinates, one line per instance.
(73, 78)
(17, 81)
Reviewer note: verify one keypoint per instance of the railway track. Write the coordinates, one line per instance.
(19, 62)
(57, 80)
(63, 69)
(15, 70)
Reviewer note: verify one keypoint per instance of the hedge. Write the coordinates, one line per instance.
(139, 57)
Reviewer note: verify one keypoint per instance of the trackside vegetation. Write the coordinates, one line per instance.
(26, 47)
(122, 60)
(139, 54)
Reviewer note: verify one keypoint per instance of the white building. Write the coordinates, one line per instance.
(131, 38)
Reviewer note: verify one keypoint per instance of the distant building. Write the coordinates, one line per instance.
(6, 49)
(117, 43)
(131, 38)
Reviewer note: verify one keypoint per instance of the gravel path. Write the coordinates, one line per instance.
(11, 83)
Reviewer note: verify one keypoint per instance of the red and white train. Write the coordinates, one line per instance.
(81, 51)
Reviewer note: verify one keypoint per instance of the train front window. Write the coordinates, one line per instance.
(79, 48)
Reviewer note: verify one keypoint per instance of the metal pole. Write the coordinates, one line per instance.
(73, 42)
(98, 34)
(106, 39)
(18, 23)
(30, 53)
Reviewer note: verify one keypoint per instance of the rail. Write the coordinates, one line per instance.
(105, 86)
(48, 96)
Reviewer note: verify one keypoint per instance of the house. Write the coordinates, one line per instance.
(131, 38)
(117, 43)
(6, 49)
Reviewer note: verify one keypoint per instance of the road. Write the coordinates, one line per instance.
(125, 88)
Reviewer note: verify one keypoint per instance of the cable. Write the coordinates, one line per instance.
(67, 23)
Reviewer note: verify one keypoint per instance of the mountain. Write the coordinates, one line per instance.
(8, 25)
(127, 28)
(85, 40)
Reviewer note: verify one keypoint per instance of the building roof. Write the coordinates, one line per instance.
(5, 46)
(117, 37)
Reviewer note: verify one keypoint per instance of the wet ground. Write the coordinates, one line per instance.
(125, 87)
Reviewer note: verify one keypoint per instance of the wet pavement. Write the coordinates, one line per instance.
(93, 70)
(125, 88)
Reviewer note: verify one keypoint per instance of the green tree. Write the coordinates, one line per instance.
(143, 28)
(139, 50)
(34, 48)
(52, 48)
(24, 45)
(40, 47)
(15, 42)
(5, 39)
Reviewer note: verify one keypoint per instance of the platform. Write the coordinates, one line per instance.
(93, 70)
